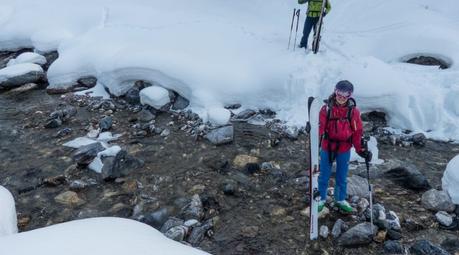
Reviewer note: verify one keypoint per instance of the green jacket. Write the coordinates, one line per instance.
(314, 7)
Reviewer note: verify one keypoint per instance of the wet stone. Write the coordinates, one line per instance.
(88, 81)
(180, 103)
(222, 135)
(198, 233)
(53, 123)
(177, 233)
(244, 115)
(194, 209)
(157, 218)
(119, 166)
(360, 234)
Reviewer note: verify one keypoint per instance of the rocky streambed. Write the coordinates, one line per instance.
(246, 195)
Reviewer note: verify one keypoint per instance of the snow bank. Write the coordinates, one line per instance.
(28, 57)
(8, 220)
(216, 52)
(101, 236)
(450, 180)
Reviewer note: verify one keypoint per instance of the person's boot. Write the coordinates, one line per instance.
(344, 206)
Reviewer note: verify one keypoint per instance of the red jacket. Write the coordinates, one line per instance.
(340, 133)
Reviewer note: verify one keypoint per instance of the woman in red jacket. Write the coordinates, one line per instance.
(340, 128)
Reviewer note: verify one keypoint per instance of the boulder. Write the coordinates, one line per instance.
(409, 177)
(358, 235)
(221, 135)
(436, 200)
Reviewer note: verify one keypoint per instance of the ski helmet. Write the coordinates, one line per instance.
(344, 88)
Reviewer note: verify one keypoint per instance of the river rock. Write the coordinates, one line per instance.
(360, 234)
(87, 81)
(436, 200)
(69, 198)
(393, 247)
(244, 115)
(85, 154)
(409, 177)
(221, 135)
(444, 218)
(357, 186)
(120, 165)
(424, 247)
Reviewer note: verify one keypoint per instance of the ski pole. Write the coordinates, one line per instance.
(297, 22)
(291, 28)
(367, 163)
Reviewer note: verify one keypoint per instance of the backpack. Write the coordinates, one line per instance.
(340, 129)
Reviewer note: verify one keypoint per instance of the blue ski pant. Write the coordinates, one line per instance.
(309, 24)
(342, 168)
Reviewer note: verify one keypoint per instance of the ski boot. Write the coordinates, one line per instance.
(345, 207)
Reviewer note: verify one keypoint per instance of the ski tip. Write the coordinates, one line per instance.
(310, 100)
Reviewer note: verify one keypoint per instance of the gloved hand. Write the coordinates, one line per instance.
(367, 155)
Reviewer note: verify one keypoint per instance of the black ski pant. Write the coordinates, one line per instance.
(309, 24)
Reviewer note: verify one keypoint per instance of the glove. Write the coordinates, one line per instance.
(367, 155)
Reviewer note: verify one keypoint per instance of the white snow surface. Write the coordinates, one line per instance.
(17, 70)
(154, 96)
(373, 147)
(8, 220)
(28, 57)
(219, 115)
(217, 52)
(450, 180)
(101, 236)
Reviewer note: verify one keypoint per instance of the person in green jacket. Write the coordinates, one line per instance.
(312, 17)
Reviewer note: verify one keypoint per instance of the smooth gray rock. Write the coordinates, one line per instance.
(444, 218)
(424, 247)
(244, 115)
(157, 218)
(409, 177)
(145, 115)
(357, 186)
(177, 233)
(132, 96)
(85, 154)
(358, 235)
(221, 135)
(437, 200)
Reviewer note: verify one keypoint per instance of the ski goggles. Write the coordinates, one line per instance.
(343, 94)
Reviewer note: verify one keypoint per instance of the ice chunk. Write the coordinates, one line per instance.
(154, 96)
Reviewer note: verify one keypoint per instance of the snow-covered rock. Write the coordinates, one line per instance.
(20, 74)
(101, 236)
(154, 96)
(221, 135)
(8, 220)
(219, 115)
(450, 180)
(28, 57)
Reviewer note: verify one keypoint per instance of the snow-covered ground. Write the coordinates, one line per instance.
(450, 179)
(95, 236)
(8, 220)
(217, 52)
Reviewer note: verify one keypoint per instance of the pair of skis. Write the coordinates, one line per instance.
(317, 28)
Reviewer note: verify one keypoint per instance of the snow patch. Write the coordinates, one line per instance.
(28, 57)
(219, 115)
(17, 70)
(450, 180)
(154, 96)
(8, 220)
(102, 236)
